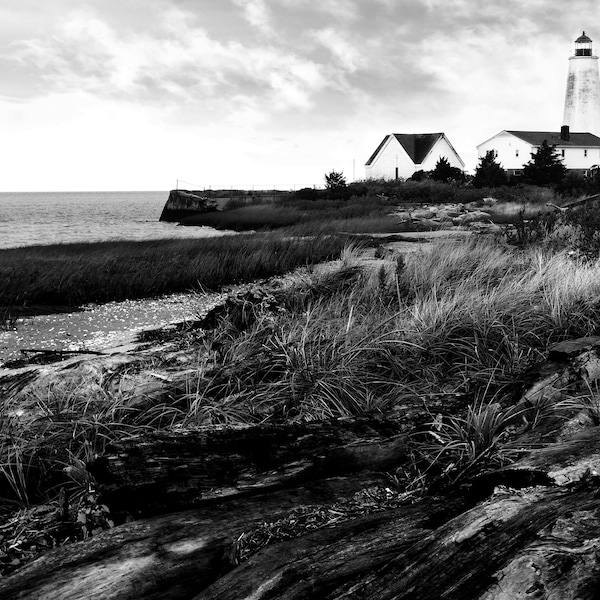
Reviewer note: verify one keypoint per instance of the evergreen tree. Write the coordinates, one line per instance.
(444, 172)
(545, 166)
(336, 186)
(489, 173)
(334, 181)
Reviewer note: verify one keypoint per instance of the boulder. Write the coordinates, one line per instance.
(423, 213)
(471, 217)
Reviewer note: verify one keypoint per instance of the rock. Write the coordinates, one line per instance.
(403, 216)
(569, 349)
(423, 214)
(479, 227)
(447, 213)
(471, 217)
(183, 203)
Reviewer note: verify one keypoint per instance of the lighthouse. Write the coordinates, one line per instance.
(582, 100)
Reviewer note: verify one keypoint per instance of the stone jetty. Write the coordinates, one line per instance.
(186, 203)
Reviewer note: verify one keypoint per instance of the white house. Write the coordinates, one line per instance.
(401, 154)
(513, 149)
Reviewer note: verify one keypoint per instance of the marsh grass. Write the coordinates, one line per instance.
(35, 278)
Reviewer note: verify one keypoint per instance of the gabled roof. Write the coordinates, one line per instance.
(416, 145)
(535, 138)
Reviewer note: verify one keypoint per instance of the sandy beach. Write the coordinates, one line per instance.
(98, 327)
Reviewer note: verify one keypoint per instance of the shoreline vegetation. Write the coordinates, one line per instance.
(287, 231)
(38, 279)
(434, 352)
(359, 207)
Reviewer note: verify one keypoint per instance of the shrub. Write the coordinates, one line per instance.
(307, 194)
(419, 175)
(585, 221)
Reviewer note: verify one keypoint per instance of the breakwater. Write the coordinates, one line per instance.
(182, 204)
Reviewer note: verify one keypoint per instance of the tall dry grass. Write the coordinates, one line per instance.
(502, 313)
(454, 319)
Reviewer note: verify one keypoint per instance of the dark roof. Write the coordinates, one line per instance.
(583, 39)
(417, 145)
(535, 138)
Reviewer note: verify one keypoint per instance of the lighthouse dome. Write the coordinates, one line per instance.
(583, 39)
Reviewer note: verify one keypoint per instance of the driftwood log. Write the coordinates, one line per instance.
(167, 557)
(540, 542)
(547, 540)
(163, 472)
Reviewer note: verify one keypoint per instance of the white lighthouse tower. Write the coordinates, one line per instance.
(582, 100)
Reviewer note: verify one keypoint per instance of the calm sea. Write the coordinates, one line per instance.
(31, 218)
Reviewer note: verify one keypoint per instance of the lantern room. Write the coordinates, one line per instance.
(583, 45)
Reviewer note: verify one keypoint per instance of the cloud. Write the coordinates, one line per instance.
(257, 14)
(182, 65)
(342, 11)
(347, 55)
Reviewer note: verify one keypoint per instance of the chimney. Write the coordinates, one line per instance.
(564, 133)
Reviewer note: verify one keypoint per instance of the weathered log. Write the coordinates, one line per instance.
(456, 551)
(565, 462)
(404, 557)
(571, 365)
(166, 471)
(167, 557)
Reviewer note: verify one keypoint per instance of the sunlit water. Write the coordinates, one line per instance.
(31, 218)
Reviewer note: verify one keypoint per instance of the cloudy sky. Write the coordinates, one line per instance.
(135, 94)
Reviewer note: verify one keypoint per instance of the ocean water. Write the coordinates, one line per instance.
(28, 219)
(33, 218)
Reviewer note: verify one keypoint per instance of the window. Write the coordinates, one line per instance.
(562, 153)
(517, 152)
(585, 152)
